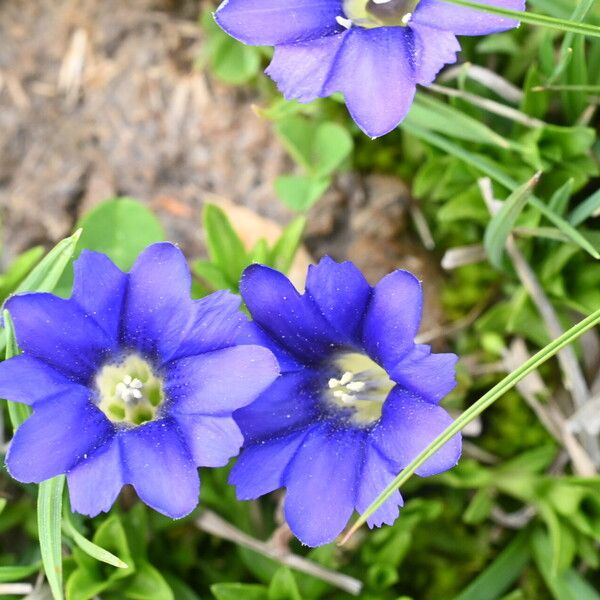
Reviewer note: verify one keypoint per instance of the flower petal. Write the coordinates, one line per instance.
(434, 48)
(375, 71)
(221, 381)
(59, 333)
(157, 306)
(273, 22)
(99, 288)
(289, 403)
(376, 474)
(321, 483)
(342, 294)
(302, 70)
(431, 376)
(95, 481)
(260, 467)
(407, 426)
(212, 441)
(58, 434)
(250, 333)
(292, 319)
(465, 21)
(160, 468)
(393, 317)
(214, 323)
(27, 379)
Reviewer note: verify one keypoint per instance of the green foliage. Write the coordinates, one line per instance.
(228, 257)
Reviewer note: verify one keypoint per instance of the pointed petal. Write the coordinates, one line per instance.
(291, 319)
(407, 426)
(95, 481)
(214, 323)
(157, 306)
(212, 441)
(428, 375)
(377, 473)
(219, 381)
(99, 288)
(251, 333)
(302, 70)
(59, 333)
(273, 22)
(393, 317)
(288, 404)
(321, 483)
(27, 379)
(160, 468)
(260, 468)
(58, 434)
(375, 71)
(434, 48)
(465, 21)
(342, 294)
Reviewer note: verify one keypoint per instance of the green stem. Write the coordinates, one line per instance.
(531, 18)
(475, 410)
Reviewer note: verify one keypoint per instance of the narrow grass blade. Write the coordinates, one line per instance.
(586, 209)
(17, 412)
(90, 548)
(475, 410)
(531, 18)
(49, 512)
(17, 572)
(46, 274)
(502, 223)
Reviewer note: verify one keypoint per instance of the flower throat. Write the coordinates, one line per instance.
(129, 391)
(360, 389)
(377, 13)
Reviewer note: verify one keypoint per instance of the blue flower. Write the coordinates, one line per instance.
(356, 402)
(131, 382)
(373, 51)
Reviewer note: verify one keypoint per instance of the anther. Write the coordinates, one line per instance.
(347, 377)
(405, 20)
(347, 23)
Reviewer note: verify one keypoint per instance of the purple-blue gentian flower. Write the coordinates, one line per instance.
(373, 51)
(356, 402)
(131, 382)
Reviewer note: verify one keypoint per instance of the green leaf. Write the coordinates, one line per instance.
(49, 511)
(497, 174)
(283, 586)
(120, 228)
(476, 409)
(300, 192)
(45, 276)
(568, 585)
(237, 591)
(437, 116)
(503, 221)
(213, 275)
(18, 572)
(560, 199)
(225, 248)
(148, 584)
(90, 548)
(283, 252)
(18, 270)
(502, 573)
(586, 209)
(17, 412)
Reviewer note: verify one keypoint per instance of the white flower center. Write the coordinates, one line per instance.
(377, 13)
(361, 388)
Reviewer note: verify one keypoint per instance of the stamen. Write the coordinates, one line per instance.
(347, 23)
(346, 378)
(129, 390)
(405, 20)
(356, 386)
